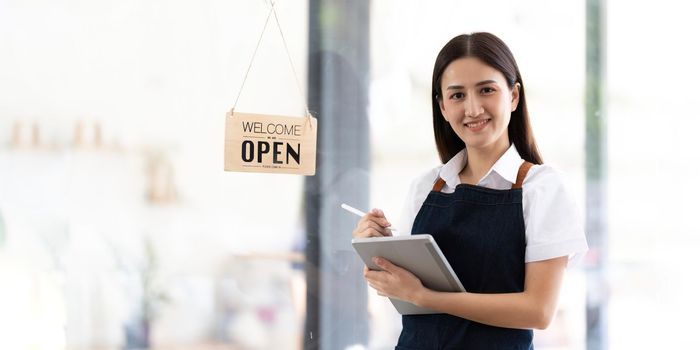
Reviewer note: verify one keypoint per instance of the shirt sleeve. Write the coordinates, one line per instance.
(417, 192)
(553, 225)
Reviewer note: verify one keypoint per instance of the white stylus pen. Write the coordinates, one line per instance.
(359, 213)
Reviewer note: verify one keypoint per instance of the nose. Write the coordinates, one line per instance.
(472, 107)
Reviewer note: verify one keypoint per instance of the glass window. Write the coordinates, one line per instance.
(120, 229)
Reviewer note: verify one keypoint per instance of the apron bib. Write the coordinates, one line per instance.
(481, 232)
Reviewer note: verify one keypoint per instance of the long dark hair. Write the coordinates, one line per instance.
(492, 51)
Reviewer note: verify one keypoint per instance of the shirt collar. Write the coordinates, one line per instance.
(507, 167)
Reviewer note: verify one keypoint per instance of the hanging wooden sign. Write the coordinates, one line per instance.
(270, 144)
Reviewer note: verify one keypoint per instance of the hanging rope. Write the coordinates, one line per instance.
(289, 57)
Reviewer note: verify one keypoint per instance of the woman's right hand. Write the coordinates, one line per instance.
(373, 224)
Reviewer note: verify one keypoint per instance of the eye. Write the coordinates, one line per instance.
(457, 96)
(488, 90)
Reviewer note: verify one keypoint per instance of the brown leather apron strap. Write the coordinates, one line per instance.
(439, 184)
(522, 172)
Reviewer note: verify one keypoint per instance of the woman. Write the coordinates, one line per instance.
(505, 222)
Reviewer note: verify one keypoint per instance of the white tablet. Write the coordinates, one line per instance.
(419, 254)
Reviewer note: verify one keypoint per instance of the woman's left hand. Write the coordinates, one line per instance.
(394, 281)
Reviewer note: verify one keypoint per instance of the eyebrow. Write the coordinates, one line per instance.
(484, 82)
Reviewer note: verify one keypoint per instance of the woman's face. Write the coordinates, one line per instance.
(477, 103)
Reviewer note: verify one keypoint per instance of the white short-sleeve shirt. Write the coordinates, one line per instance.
(553, 227)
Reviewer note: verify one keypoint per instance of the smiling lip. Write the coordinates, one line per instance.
(477, 125)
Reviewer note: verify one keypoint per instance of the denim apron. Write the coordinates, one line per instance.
(481, 232)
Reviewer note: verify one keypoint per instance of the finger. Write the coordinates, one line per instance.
(378, 227)
(386, 265)
(372, 275)
(358, 231)
(368, 221)
(376, 276)
(363, 230)
(384, 232)
(377, 212)
(371, 233)
(373, 225)
(378, 216)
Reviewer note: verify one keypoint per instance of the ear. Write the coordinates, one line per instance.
(514, 97)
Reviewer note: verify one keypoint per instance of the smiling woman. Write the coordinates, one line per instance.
(477, 101)
(505, 222)
(487, 61)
